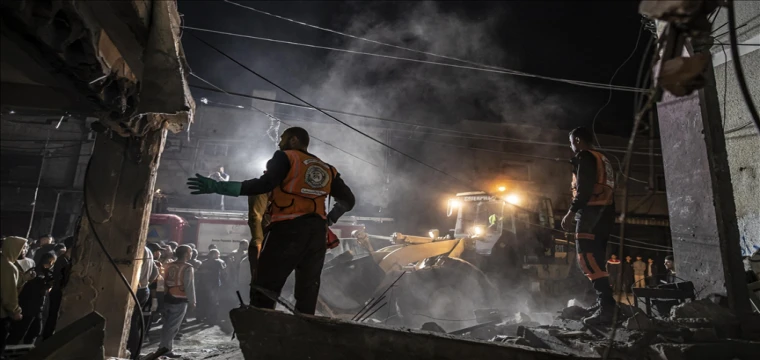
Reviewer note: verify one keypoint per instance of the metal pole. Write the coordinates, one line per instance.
(37, 188)
(55, 212)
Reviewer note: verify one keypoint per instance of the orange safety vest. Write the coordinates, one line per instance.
(604, 187)
(175, 280)
(304, 189)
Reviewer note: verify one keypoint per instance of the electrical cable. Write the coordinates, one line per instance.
(609, 97)
(273, 117)
(143, 327)
(515, 72)
(508, 72)
(637, 121)
(410, 157)
(392, 121)
(733, 39)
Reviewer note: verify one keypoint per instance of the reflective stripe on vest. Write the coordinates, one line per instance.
(603, 191)
(175, 279)
(304, 189)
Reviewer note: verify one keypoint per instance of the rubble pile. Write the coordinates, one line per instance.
(694, 330)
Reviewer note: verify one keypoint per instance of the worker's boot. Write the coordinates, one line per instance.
(602, 316)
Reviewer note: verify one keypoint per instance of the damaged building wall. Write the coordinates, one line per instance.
(742, 140)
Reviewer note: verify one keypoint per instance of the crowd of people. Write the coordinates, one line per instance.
(33, 274)
(628, 274)
(174, 285)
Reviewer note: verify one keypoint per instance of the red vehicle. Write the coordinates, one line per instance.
(225, 229)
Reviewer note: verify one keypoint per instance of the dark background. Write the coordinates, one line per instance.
(580, 40)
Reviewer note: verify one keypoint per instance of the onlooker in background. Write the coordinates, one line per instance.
(210, 280)
(627, 274)
(157, 286)
(10, 283)
(61, 272)
(23, 261)
(148, 273)
(173, 246)
(233, 266)
(167, 255)
(212, 247)
(194, 260)
(670, 267)
(180, 285)
(244, 278)
(639, 273)
(45, 244)
(59, 249)
(220, 175)
(32, 301)
(652, 273)
(613, 268)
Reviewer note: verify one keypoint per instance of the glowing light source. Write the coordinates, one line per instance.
(204, 101)
(502, 188)
(455, 203)
(478, 230)
(513, 199)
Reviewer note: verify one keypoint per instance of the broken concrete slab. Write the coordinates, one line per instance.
(267, 334)
(545, 338)
(638, 322)
(81, 340)
(432, 327)
(573, 313)
(724, 350)
(705, 309)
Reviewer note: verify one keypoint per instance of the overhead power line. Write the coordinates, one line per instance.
(410, 157)
(399, 122)
(609, 97)
(481, 65)
(273, 117)
(477, 68)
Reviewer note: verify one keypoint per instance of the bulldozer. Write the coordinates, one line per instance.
(499, 243)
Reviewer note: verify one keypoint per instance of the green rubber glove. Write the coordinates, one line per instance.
(204, 185)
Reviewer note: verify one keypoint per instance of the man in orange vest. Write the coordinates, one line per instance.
(593, 209)
(180, 293)
(298, 184)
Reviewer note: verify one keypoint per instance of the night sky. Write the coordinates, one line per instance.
(580, 40)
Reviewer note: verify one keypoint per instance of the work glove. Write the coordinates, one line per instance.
(204, 185)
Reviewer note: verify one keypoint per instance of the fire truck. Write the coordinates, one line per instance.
(225, 229)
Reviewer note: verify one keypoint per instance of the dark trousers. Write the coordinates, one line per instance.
(133, 341)
(593, 229)
(29, 327)
(56, 295)
(299, 245)
(5, 326)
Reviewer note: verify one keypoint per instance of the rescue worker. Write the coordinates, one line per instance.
(593, 208)
(296, 238)
(180, 293)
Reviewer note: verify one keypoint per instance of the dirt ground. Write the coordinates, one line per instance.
(197, 342)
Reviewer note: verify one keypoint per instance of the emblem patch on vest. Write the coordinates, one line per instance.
(316, 177)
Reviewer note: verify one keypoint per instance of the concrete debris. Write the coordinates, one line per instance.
(83, 339)
(724, 350)
(432, 326)
(638, 322)
(573, 312)
(703, 309)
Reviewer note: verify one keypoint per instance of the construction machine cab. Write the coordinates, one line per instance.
(488, 220)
